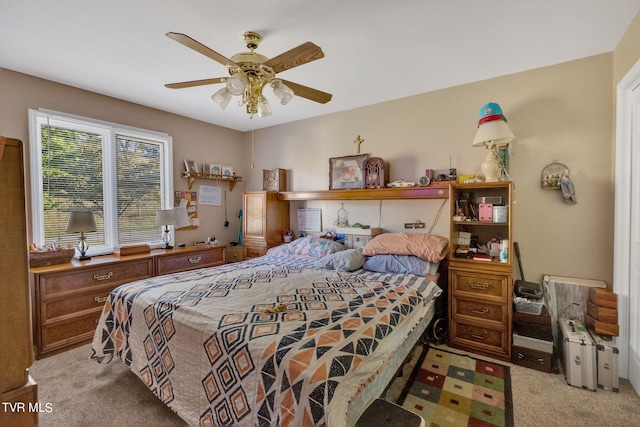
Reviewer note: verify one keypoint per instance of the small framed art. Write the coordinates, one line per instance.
(215, 169)
(191, 166)
(346, 172)
(227, 171)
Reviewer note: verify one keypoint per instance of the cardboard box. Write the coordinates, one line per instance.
(604, 314)
(602, 328)
(603, 298)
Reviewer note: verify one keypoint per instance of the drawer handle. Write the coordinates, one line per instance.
(478, 335)
(103, 277)
(99, 299)
(475, 285)
(478, 310)
(195, 260)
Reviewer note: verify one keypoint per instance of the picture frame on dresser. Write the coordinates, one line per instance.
(346, 172)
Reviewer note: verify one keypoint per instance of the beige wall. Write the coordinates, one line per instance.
(627, 52)
(561, 112)
(192, 139)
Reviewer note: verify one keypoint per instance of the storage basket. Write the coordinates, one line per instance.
(524, 305)
(41, 259)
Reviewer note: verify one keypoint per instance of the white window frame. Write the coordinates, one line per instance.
(108, 132)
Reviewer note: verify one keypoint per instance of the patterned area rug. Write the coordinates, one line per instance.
(453, 390)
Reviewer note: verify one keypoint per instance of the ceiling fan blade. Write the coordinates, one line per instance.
(199, 47)
(309, 93)
(302, 54)
(196, 83)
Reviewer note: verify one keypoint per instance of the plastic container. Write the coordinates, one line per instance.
(524, 305)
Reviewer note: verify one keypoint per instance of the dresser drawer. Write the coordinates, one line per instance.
(479, 309)
(62, 334)
(480, 284)
(78, 279)
(58, 307)
(254, 251)
(175, 262)
(235, 253)
(495, 340)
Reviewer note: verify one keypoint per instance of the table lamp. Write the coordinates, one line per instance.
(165, 217)
(493, 133)
(82, 222)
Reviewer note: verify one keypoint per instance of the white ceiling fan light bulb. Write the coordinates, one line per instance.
(237, 83)
(282, 92)
(222, 97)
(264, 109)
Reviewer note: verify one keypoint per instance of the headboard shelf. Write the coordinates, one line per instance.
(438, 190)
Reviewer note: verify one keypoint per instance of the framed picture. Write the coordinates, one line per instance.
(215, 169)
(346, 172)
(191, 166)
(227, 171)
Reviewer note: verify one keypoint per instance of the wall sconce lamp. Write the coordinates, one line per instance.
(165, 217)
(493, 134)
(82, 222)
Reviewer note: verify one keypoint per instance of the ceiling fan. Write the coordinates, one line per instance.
(250, 72)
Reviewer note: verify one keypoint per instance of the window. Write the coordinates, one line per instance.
(123, 175)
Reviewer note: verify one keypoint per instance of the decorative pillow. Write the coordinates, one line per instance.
(347, 260)
(403, 264)
(313, 246)
(429, 247)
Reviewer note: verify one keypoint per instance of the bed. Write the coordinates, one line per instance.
(304, 335)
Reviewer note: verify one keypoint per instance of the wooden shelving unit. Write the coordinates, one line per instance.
(439, 190)
(191, 178)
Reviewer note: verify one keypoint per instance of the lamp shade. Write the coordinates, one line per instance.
(165, 217)
(493, 133)
(81, 221)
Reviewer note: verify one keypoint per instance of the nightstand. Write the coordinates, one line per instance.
(234, 254)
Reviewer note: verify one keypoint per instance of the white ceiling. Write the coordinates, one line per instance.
(375, 50)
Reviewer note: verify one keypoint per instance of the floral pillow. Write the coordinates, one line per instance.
(347, 260)
(315, 247)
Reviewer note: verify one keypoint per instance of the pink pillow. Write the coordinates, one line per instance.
(429, 247)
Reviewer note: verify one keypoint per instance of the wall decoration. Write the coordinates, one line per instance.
(374, 172)
(189, 201)
(274, 180)
(346, 172)
(191, 166)
(227, 171)
(215, 169)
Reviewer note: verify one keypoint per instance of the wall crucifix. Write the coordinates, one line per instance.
(358, 141)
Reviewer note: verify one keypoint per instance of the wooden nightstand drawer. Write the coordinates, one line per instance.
(235, 253)
(480, 336)
(479, 309)
(480, 285)
(174, 262)
(77, 280)
(254, 251)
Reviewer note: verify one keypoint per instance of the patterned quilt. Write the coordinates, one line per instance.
(264, 342)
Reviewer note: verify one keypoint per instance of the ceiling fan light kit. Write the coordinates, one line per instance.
(250, 72)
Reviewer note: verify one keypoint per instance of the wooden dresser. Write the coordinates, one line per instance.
(265, 216)
(68, 298)
(16, 349)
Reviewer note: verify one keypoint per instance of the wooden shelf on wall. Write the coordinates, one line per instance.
(191, 178)
(438, 190)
